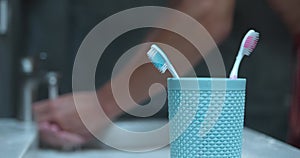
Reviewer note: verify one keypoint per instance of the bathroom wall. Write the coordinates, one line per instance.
(10, 45)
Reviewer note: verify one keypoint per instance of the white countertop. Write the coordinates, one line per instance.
(16, 137)
(255, 145)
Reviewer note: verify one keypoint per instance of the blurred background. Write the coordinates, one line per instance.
(50, 32)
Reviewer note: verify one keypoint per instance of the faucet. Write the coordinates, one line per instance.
(32, 79)
(28, 88)
(52, 80)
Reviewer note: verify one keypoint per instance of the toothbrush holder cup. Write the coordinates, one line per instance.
(206, 117)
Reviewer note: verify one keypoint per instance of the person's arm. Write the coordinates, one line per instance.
(289, 12)
(60, 115)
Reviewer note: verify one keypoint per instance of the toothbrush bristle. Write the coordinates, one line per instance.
(163, 68)
(151, 53)
(157, 60)
(251, 43)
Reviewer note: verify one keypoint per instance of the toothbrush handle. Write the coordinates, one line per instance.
(235, 69)
(172, 70)
(174, 74)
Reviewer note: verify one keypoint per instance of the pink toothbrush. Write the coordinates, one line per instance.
(247, 47)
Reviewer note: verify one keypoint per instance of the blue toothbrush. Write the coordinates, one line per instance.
(160, 60)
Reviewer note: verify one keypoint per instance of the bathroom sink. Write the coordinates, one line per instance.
(105, 151)
(101, 154)
(254, 145)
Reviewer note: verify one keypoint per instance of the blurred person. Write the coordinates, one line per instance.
(60, 124)
(290, 15)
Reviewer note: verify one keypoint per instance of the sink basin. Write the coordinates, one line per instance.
(105, 151)
(101, 154)
(132, 142)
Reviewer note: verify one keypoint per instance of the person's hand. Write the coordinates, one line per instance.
(60, 124)
(51, 134)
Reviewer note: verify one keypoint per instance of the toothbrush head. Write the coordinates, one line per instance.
(249, 42)
(247, 47)
(158, 58)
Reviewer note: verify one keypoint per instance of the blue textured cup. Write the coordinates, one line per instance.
(206, 117)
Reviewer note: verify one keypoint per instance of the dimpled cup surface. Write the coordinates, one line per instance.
(224, 139)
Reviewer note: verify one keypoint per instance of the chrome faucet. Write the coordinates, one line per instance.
(32, 79)
(28, 88)
(52, 80)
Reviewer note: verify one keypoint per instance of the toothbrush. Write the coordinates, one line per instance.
(247, 47)
(160, 60)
